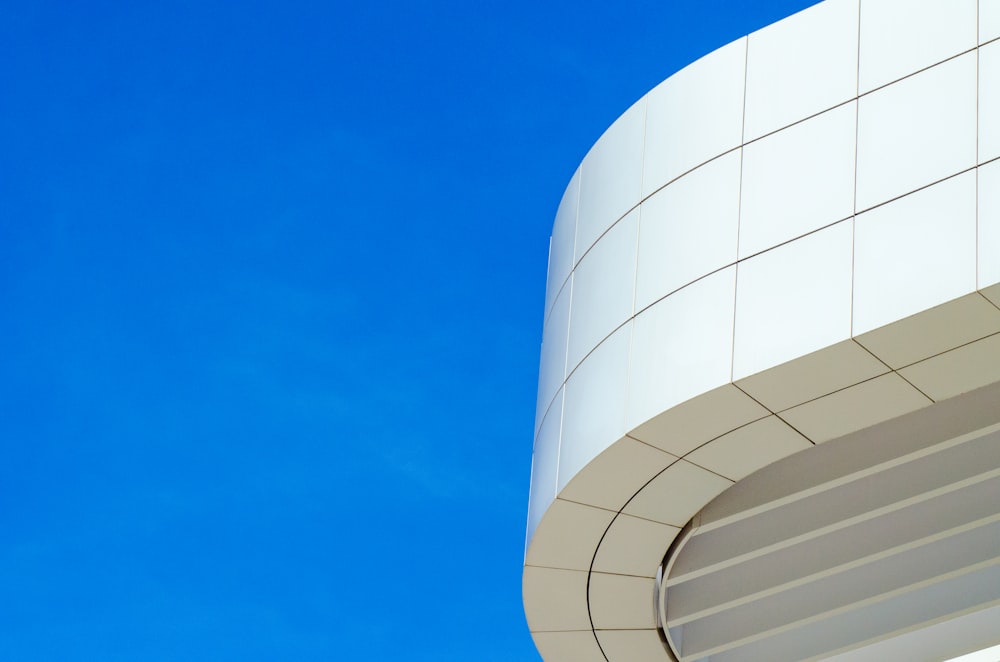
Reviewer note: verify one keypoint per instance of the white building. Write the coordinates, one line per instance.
(769, 399)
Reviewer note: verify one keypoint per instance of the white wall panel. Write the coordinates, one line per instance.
(603, 286)
(989, 20)
(989, 102)
(545, 465)
(562, 243)
(793, 300)
(801, 66)
(900, 37)
(915, 253)
(682, 346)
(989, 224)
(797, 180)
(688, 229)
(552, 370)
(610, 177)
(694, 115)
(917, 131)
(594, 414)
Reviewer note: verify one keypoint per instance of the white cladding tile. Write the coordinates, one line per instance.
(798, 180)
(695, 115)
(801, 66)
(793, 300)
(545, 466)
(552, 365)
(989, 102)
(594, 409)
(603, 289)
(989, 20)
(989, 224)
(900, 37)
(610, 177)
(561, 246)
(688, 229)
(682, 346)
(915, 253)
(917, 131)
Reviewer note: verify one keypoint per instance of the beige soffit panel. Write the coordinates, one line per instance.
(813, 376)
(619, 602)
(576, 646)
(570, 540)
(634, 546)
(855, 408)
(610, 480)
(555, 600)
(683, 428)
(960, 370)
(933, 331)
(749, 448)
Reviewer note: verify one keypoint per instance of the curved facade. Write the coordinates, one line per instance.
(794, 240)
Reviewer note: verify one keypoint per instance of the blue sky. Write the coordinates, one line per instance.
(271, 287)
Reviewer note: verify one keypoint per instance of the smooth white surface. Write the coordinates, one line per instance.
(989, 224)
(562, 243)
(991, 654)
(801, 66)
(552, 370)
(700, 209)
(899, 37)
(917, 131)
(682, 346)
(695, 115)
(989, 20)
(594, 414)
(610, 177)
(545, 465)
(915, 253)
(602, 289)
(793, 300)
(797, 180)
(989, 102)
